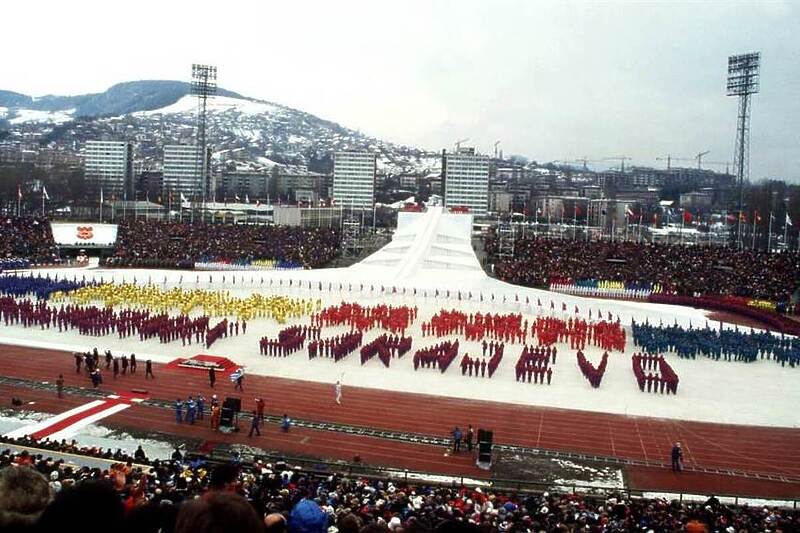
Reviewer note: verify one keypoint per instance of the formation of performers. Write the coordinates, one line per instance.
(470, 364)
(393, 319)
(96, 321)
(289, 340)
(716, 344)
(337, 347)
(476, 327)
(593, 374)
(212, 303)
(385, 347)
(39, 286)
(534, 363)
(438, 356)
(579, 333)
(660, 376)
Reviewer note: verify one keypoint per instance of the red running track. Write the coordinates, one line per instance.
(753, 449)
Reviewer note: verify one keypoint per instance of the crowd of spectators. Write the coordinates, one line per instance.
(38, 493)
(686, 270)
(25, 241)
(170, 244)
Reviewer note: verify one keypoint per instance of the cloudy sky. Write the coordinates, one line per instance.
(550, 80)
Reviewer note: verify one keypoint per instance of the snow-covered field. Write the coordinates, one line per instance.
(760, 393)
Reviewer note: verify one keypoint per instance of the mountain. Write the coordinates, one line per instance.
(245, 133)
(119, 99)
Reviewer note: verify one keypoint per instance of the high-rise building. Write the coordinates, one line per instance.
(354, 179)
(183, 171)
(108, 166)
(466, 180)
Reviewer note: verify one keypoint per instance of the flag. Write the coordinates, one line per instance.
(19, 191)
(577, 210)
(687, 217)
(247, 198)
(757, 217)
(258, 203)
(788, 220)
(44, 193)
(183, 199)
(629, 212)
(236, 197)
(101, 196)
(743, 217)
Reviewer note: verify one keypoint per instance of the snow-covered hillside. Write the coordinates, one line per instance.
(242, 131)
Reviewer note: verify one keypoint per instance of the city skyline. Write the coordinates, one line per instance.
(551, 81)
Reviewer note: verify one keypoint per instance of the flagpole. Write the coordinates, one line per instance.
(753, 237)
(42, 202)
(574, 221)
(19, 199)
(785, 231)
(769, 234)
(587, 220)
(639, 229)
(683, 220)
(626, 224)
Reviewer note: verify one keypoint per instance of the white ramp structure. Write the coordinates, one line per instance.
(427, 245)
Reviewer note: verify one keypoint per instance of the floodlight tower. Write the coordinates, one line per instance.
(743, 81)
(204, 86)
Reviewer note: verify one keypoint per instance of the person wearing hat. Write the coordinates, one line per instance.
(307, 517)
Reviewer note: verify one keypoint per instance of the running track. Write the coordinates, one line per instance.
(756, 450)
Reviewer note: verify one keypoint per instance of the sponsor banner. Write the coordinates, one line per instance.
(84, 233)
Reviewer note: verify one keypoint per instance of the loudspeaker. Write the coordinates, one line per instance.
(485, 438)
(230, 408)
(234, 404)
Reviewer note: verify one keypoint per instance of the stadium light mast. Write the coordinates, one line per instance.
(204, 86)
(743, 82)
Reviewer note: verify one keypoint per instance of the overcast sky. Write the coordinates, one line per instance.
(551, 81)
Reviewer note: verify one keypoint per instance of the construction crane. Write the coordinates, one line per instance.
(458, 143)
(621, 159)
(495, 148)
(699, 158)
(669, 159)
(583, 160)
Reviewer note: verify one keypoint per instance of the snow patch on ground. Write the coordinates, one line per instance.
(218, 104)
(727, 500)
(36, 115)
(92, 435)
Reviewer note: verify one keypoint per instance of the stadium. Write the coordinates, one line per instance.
(411, 368)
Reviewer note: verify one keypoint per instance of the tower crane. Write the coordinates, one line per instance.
(458, 143)
(583, 160)
(699, 158)
(495, 148)
(621, 159)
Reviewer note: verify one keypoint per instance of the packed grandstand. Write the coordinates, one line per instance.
(473, 340)
(188, 495)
